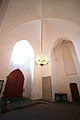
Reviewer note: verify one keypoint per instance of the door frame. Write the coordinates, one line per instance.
(74, 92)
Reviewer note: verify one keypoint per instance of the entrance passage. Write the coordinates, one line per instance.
(47, 88)
(14, 84)
(74, 92)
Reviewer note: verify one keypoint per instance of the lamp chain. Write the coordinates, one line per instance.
(41, 37)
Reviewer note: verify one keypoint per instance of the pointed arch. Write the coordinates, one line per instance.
(23, 58)
(65, 66)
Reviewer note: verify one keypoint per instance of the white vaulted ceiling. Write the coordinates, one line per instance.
(21, 11)
(22, 20)
(36, 20)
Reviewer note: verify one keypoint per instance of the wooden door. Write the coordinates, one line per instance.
(47, 88)
(14, 84)
(74, 92)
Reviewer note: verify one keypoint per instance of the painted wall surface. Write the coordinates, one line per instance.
(64, 9)
(27, 32)
(22, 21)
(67, 68)
(19, 12)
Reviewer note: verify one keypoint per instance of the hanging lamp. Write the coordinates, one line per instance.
(41, 60)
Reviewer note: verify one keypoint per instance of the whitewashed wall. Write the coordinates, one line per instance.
(22, 21)
(66, 67)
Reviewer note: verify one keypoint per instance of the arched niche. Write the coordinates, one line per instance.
(23, 58)
(65, 66)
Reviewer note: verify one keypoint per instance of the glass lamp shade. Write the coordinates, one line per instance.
(41, 60)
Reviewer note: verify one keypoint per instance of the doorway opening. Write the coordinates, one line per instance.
(14, 84)
(47, 88)
(74, 92)
(22, 58)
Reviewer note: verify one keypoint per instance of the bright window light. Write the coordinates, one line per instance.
(23, 58)
(22, 53)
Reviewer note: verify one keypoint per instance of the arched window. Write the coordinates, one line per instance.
(23, 58)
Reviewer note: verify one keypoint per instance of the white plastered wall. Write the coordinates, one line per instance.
(27, 32)
(22, 21)
(66, 68)
(67, 31)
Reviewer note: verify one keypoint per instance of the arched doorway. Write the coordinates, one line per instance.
(14, 84)
(22, 58)
(65, 67)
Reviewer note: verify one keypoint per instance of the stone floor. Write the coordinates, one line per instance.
(44, 111)
(21, 103)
